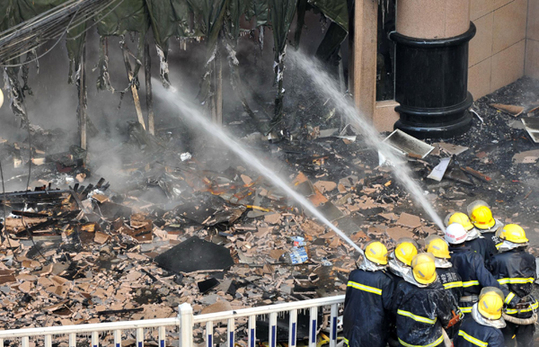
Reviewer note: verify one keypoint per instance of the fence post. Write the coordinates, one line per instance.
(185, 314)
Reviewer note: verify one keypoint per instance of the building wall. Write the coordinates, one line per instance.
(498, 50)
(532, 40)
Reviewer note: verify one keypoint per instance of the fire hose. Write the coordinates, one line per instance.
(520, 321)
(447, 340)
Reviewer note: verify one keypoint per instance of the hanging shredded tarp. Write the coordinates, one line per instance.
(168, 18)
(336, 10)
(259, 10)
(281, 15)
(301, 10)
(74, 43)
(236, 9)
(9, 15)
(25, 25)
(210, 14)
(15, 94)
(28, 9)
(331, 42)
(129, 16)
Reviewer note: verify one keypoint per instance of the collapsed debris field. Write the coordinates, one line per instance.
(94, 250)
(501, 148)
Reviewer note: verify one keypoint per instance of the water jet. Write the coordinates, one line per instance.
(192, 114)
(327, 86)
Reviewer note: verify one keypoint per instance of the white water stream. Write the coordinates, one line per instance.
(329, 88)
(192, 114)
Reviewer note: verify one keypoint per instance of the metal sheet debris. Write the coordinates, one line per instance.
(408, 144)
(439, 170)
(532, 127)
(451, 149)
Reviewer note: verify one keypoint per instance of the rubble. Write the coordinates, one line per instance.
(526, 157)
(180, 230)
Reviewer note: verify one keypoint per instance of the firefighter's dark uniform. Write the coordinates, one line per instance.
(492, 239)
(515, 271)
(422, 313)
(483, 246)
(473, 334)
(451, 282)
(367, 308)
(471, 268)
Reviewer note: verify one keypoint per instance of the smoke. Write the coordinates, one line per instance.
(53, 105)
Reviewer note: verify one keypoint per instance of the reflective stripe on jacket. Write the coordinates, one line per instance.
(451, 281)
(472, 334)
(515, 271)
(471, 268)
(367, 307)
(422, 312)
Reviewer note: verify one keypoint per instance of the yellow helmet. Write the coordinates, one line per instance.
(513, 233)
(462, 219)
(406, 250)
(490, 303)
(437, 246)
(481, 217)
(423, 268)
(376, 252)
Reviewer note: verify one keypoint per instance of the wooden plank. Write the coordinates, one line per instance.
(134, 91)
(81, 111)
(148, 78)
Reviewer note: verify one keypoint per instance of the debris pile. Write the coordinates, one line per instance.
(180, 230)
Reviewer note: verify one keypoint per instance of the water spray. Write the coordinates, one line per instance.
(329, 88)
(192, 114)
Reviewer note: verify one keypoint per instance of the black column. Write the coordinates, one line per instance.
(431, 85)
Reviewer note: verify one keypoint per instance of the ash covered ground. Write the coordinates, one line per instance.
(93, 252)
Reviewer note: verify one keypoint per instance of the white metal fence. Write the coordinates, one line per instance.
(185, 323)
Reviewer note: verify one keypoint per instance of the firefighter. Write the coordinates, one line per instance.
(423, 308)
(515, 270)
(369, 290)
(481, 217)
(477, 242)
(469, 265)
(400, 260)
(482, 327)
(400, 267)
(450, 279)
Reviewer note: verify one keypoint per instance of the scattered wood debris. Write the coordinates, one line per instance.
(510, 109)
